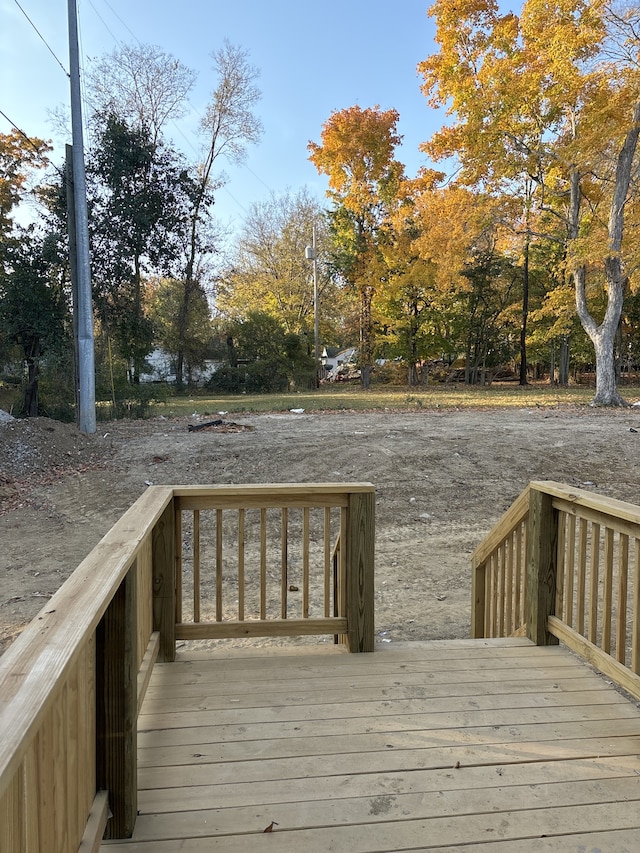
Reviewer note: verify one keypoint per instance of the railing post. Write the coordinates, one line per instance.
(478, 600)
(117, 707)
(542, 543)
(164, 583)
(360, 571)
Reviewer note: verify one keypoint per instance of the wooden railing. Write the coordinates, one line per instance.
(257, 561)
(579, 583)
(72, 684)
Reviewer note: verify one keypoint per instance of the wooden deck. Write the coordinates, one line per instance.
(451, 746)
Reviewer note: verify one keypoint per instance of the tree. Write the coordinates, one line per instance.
(141, 84)
(270, 269)
(165, 301)
(19, 155)
(229, 125)
(33, 310)
(356, 153)
(141, 197)
(551, 96)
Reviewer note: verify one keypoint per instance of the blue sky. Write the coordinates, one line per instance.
(313, 58)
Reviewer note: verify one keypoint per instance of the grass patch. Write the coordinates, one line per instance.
(354, 398)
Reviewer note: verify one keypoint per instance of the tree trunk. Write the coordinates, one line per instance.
(31, 391)
(603, 335)
(525, 306)
(563, 367)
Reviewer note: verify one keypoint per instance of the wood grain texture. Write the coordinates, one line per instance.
(541, 566)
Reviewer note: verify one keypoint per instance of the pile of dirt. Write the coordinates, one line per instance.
(38, 451)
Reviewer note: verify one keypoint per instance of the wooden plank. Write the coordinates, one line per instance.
(155, 731)
(177, 569)
(284, 561)
(328, 788)
(571, 569)
(607, 592)
(600, 515)
(582, 577)
(478, 600)
(541, 566)
(261, 628)
(594, 655)
(167, 559)
(560, 564)
(582, 499)
(211, 741)
(305, 563)
(327, 563)
(635, 628)
(196, 565)
(501, 603)
(146, 669)
(508, 624)
(96, 824)
(388, 760)
(263, 564)
(369, 811)
(12, 830)
(518, 579)
(360, 588)
(117, 709)
(241, 546)
(219, 602)
(621, 613)
(594, 595)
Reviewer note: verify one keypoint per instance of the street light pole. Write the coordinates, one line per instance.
(311, 254)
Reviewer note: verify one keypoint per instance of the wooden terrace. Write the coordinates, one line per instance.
(507, 741)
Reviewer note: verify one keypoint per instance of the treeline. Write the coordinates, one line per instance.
(524, 254)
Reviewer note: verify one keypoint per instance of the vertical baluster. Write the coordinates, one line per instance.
(327, 561)
(517, 597)
(487, 598)
(178, 549)
(621, 618)
(218, 565)
(593, 589)
(571, 567)
(582, 577)
(263, 563)
(501, 588)
(560, 563)
(495, 570)
(241, 542)
(196, 565)
(305, 563)
(635, 639)
(284, 561)
(607, 594)
(508, 625)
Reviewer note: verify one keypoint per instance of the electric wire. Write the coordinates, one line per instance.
(45, 42)
(21, 132)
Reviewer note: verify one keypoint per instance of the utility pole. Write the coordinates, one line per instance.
(86, 360)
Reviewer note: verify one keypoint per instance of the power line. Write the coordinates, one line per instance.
(130, 31)
(49, 48)
(104, 23)
(21, 132)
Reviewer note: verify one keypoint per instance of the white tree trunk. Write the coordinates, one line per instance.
(603, 335)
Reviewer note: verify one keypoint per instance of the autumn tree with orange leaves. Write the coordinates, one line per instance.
(356, 153)
(550, 97)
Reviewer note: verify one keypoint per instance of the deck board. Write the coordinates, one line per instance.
(461, 745)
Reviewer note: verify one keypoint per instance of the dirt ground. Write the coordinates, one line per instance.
(442, 479)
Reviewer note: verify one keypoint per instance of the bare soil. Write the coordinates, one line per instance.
(442, 479)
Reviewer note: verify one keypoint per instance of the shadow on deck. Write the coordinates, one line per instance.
(453, 745)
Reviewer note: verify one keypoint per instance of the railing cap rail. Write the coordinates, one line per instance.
(277, 489)
(590, 500)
